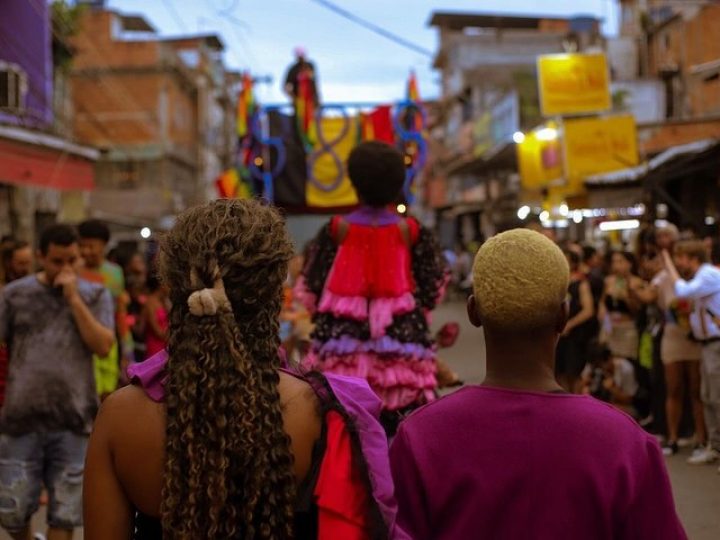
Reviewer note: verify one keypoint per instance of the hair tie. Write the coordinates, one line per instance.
(209, 301)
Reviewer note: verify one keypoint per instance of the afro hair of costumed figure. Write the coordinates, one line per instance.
(377, 172)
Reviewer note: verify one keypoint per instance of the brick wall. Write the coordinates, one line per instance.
(656, 138)
(682, 45)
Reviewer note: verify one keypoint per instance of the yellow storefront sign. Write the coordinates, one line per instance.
(539, 161)
(598, 145)
(573, 84)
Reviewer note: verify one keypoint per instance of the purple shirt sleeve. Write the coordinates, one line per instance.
(652, 513)
(409, 489)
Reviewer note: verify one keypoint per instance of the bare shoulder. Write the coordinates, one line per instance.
(130, 412)
(296, 391)
(126, 399)
(301, 419)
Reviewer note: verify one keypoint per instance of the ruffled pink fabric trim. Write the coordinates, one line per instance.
(397, 382)
(379, 313)
(383, 347)
(303, 295)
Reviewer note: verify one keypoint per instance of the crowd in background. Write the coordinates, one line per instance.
(629, 339)
(141, 302)
(207, 427)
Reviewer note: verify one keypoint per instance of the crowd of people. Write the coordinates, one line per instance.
(278, 395)
(69, 332)
(641, 336)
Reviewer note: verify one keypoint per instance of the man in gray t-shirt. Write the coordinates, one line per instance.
(53, 323)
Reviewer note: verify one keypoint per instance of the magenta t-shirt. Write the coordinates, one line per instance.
(505, 464)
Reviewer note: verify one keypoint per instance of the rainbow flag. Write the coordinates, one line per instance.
(230, 186)
(245, 105)
(413, 93)
(227, 184)
(305, 110)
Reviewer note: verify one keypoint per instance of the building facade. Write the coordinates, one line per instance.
(677, 45)
(158, 110)
(45, 176)
(488, 66)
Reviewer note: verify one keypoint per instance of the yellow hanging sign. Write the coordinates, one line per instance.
(539, 159)
(598, 145)
(573, 84)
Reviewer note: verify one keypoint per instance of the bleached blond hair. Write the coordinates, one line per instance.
(520, 280)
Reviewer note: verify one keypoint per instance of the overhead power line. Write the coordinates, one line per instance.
(387, 34)
(175, 15)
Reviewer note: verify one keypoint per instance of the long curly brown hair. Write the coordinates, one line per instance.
(228, 464)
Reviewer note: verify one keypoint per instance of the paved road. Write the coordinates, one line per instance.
(697, 489)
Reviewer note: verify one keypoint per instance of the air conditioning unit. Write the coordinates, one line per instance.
(13, 86)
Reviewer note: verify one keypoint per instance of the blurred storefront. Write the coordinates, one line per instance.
(44, 176)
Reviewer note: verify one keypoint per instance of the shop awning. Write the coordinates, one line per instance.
(503, 156)
(45, 161)
(674, 160)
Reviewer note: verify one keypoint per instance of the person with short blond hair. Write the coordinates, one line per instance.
(522, 458)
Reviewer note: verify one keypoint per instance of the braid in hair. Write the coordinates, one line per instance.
(228, 464)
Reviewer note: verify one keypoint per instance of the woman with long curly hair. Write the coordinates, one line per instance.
(213, 440)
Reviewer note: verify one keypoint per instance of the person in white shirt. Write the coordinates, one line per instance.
(679, 351)
(700, 282)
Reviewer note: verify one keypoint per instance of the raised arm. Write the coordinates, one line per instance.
(644, 293)
(702, 284)
(96, 329)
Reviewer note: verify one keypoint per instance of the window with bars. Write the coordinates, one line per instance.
(13, 86)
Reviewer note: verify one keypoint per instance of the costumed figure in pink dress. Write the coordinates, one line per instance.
(371, 279)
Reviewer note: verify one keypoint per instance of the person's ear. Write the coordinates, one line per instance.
(473, 312)
(562, 318)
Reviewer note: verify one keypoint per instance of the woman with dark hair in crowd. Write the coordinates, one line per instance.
(618, 307)
(371, 279)
(571, 355)
(155, 316)
(213, 440)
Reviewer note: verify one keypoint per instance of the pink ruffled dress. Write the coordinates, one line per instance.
(371, 280)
